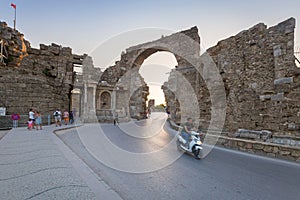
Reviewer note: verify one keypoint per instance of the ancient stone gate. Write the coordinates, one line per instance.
(257, 69)
(127, 88)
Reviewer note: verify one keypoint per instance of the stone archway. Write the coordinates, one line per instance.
(124, 75)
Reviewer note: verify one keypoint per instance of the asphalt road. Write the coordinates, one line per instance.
(223, 174)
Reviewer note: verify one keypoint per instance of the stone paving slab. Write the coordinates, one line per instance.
(37, 165)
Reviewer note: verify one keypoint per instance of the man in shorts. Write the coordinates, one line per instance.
(57, 117)
(31, 116)
(188, 127)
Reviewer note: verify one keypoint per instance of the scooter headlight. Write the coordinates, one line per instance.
(199, 142)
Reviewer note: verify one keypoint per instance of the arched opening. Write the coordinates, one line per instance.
(155, 70)
(105, 101)
(75, 104)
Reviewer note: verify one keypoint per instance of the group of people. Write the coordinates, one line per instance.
(67, 117)
(34, 120)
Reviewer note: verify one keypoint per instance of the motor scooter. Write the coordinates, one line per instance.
(194, 145)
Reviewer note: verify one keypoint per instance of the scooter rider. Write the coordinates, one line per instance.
(188, 127)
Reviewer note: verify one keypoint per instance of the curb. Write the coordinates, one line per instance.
(94, 182)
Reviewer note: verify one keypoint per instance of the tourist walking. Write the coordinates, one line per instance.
(116, 118)
(66, 117)
(38, 121)
(31, 116)
(15, 118)
(71, 117)
(57, 117)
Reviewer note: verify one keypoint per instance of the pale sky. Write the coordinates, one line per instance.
(155, 71)
(86, 25)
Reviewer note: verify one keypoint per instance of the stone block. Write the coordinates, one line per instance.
(33, 51)
(268, 149)
(278, 97)
(296, 153)
(285, 80)
(265, 97)
(46, 53)
(283, 88)
(231, 144)
(54, 49)
(55, 45)
(66, 51)
(284, 153)
(242, 149)
(258, 146)
(277, 51)
(43, 47)
(6, 35)
(240, 144)
(249, 145)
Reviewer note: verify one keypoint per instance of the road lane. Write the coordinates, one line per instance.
(223, 174)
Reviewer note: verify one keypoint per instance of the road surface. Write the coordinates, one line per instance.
(223, 174)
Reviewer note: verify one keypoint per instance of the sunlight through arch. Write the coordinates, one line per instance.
(156, 70)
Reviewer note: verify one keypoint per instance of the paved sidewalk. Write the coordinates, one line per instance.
(37, 165)
(3, 133)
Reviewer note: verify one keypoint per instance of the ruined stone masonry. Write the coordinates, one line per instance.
(35, 78)
(257, 68)
(261, 80)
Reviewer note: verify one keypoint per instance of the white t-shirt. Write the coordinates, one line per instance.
(31, 115)
(58, 112)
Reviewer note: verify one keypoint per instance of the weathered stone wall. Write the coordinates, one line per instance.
(261, 80)
(261, 148)
(198, 87)
(260, 76)
(35, 78)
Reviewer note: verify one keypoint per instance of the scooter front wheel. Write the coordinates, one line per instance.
(197, 154)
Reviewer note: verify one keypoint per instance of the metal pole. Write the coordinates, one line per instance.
(15, 20)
